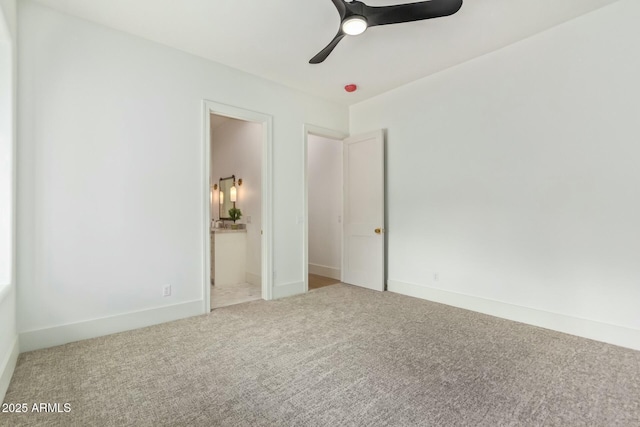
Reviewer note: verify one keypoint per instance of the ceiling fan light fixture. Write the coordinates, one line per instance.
(354, 25)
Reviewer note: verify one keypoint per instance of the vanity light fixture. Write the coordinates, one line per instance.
(213, 188)
(233, 191)
(233, 194)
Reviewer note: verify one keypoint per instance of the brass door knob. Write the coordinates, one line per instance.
(378, 230)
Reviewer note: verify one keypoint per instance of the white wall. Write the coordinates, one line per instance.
(324, 160)
(514, 178)
(236, 149)
(109, 165)
(8, 335)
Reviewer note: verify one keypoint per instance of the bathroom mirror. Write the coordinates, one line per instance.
(224, 196)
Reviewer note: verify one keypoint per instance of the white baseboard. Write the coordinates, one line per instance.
(7, 368)
(595, 330)
(326, 271)
(253, 279)
(288, 289)
(58, 335)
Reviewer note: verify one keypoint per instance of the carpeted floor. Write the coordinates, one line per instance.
(337, 356)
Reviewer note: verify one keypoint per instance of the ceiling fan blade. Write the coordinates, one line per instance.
(342, 9)
(409, 12)
(322, 55)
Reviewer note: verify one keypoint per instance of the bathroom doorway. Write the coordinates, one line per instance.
(324, 182)
(238, 218)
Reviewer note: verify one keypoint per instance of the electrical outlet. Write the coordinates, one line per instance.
(249, 219)
(166, 291)
(436, 277)
(339, 219)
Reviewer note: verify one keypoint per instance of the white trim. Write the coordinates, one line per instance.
(327, 133)
(58, 335)
(325, 270)
(8, 39)
(206, 213)
(211, 107)
(592, 329)
(287, 289)
(7, 368)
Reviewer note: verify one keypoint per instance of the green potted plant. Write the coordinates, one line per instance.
(235, 214)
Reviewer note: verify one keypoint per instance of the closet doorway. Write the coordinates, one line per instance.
(324, 169)
(344, 195)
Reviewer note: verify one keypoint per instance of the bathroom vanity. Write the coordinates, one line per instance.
(228, 256)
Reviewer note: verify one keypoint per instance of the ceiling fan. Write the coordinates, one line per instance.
(356, 17)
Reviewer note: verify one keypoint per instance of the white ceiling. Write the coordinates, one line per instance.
(275, 39)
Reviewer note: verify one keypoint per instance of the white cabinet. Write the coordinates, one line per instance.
(229, 253)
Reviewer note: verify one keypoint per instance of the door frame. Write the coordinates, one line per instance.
(326, 133)
(212, 107)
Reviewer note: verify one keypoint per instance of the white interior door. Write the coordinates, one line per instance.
(363, 232)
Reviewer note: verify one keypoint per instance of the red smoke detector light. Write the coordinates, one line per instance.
(350, 88)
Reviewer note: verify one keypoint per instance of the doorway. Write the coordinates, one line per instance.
(324, 183)
(238, 192)
(323, 207)
(361, 187)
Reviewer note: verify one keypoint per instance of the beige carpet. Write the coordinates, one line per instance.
(337, 356)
